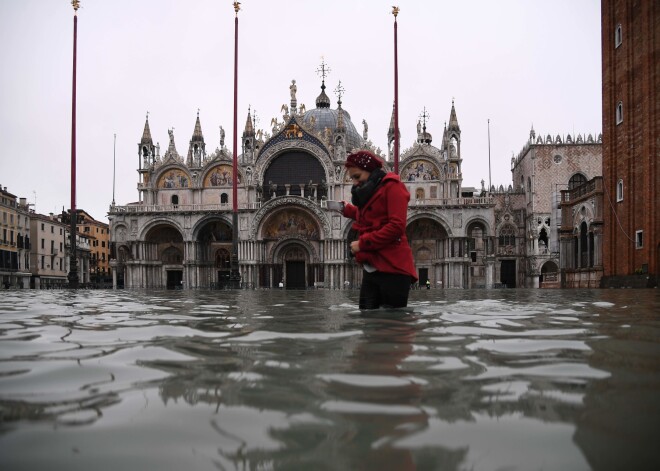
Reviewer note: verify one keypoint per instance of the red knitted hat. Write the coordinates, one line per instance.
(364, 160)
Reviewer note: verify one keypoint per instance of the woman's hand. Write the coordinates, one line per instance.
(355, 246)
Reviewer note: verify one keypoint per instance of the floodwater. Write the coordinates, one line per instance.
(302, 380)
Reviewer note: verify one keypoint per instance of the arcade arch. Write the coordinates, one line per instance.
(213, 251)
(290, 239)
(164, 243)
(430, 245)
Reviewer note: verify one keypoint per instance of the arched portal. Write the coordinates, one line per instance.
(290, 238)
(164, 243)
(477, 251)
(214, 244)
(123, 255)
(294, 261)
(429, 242)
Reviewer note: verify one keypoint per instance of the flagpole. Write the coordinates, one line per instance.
(235, 276)
(114, 160)
(395, 12)
(490, 183)
(73, 261)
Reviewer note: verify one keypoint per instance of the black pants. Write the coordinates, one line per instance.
(384, 289)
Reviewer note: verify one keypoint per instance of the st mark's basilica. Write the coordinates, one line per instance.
(179, 233)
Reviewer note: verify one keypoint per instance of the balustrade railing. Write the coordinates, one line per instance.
(587, 188)
(156, 208)
(468, 201)
(550, 276)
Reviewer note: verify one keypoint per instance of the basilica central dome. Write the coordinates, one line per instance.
(323, 117)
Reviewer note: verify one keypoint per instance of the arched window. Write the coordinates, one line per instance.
(576, 180)
(618, 36)
(175, 200)
(224, 198)
(619, 112)
(294, 168)
(584, 246)
(619, 190)
(543, 241)
(529, 189)
(419, 194)
(507, 236)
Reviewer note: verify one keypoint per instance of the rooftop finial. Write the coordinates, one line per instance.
(75, 4)
(339, 91)
(395, 11)
(323, 71)
(424, 117)
(237, 7)
(322, 101)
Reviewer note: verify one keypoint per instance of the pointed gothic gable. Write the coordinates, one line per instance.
(292, 130)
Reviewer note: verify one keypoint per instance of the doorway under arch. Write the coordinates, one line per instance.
(294, 261)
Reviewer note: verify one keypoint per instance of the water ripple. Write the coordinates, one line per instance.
(461, 379)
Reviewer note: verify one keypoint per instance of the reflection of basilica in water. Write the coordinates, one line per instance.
(180, 232)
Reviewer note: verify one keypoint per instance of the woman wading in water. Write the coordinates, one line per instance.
(380, 209)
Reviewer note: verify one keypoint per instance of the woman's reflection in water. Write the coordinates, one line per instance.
(388, 340)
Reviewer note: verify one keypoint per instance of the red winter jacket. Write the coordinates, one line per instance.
(381, 227)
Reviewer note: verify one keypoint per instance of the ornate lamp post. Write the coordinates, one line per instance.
(73, 261)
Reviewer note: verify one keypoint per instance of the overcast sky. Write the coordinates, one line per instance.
(516, 62)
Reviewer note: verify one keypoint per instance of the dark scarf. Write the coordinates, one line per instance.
(361, 194)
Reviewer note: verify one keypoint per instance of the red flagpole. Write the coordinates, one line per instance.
(235, 276)
(235, 150)
(73, 261)
(395, 12)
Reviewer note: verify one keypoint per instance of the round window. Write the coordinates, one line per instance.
(557, 158)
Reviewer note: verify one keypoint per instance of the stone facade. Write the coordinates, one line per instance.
(179, 234)
(544, 168)
(581, 235)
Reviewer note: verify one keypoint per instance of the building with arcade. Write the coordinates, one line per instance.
(179, 233)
